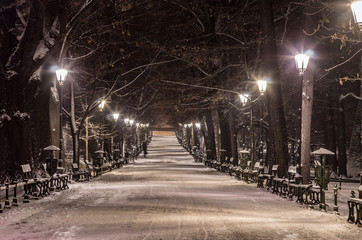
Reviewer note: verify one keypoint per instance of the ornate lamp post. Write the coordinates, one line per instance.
(61, 76)
(101, 107)
(115, 118)
(301, 62)
(244, 98)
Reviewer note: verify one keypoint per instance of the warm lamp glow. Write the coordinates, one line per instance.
(244, 98)
(101, 105)
(262, 86)
(115, 116)
(61, 75)
(301, 61)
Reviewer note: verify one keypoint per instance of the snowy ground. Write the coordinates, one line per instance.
(167, 196)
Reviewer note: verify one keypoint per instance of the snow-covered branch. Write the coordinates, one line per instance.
(343, 97)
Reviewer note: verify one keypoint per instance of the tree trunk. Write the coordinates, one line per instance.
(233, 140)
(330, 138)
(210, 139)
(225, 136)
(341, 142)
(73, 126)
(273, 93)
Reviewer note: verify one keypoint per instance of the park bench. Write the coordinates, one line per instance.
(255, 171)
(232, 168)
(207, 162)
(78, 174)
(216, 164)
(245, 172)
(59, 181)
(34, 187)
(280, 186)
(354, 210)
(269, 177)
(106, 165)
(93, 169)
(52, 179)
(262, 176)
(225, 165)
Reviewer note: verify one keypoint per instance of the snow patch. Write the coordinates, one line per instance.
(293, 236)
(36, 75)
(54, 94)
(4, 117)
(40, 52)
(22, 116)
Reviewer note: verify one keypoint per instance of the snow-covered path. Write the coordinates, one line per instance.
(167, 196)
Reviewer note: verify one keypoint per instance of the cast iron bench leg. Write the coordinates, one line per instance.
(350, 212)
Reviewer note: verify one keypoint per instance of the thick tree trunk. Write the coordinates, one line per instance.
(225, 136)
(233, 140)
(210, 138)
(341, 142)
(273, 94)
(330, 137)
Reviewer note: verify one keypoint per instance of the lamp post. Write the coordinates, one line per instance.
(244, 98)
(101, 107)
(115, 118)
(301, 62)
(356, 7)
(61, 76)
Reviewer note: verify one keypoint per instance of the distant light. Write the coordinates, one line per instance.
(262, 86)
(147, 125)
(131, 122)
(126, 120)
(198, 125)
(357, 12)
(137, 124)
(61, 75)
(301, 61)
(244, 98)
(189, 125)
(185, 125)
(101, 105)
(115, 116)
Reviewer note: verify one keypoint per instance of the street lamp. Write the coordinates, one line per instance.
(115, 116)
(301, 61)
(126, 121)
(262, 86)
(244, 98)
(101, 105)
(61, 76)
(357, 12)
